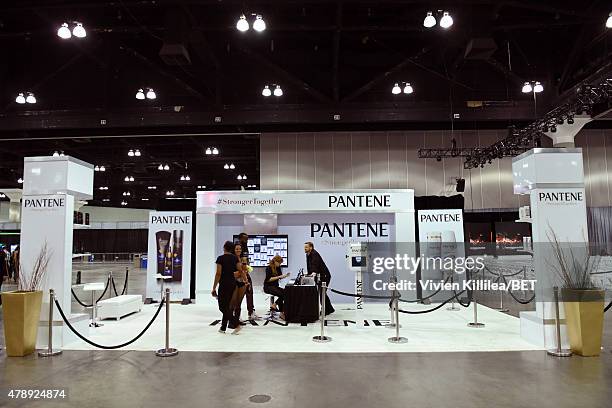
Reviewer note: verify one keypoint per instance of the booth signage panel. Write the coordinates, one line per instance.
(47, 220)
(169, 254)
(441, 225)
(280, 202)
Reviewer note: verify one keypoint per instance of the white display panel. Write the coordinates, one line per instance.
(169, 254)
(262, 248)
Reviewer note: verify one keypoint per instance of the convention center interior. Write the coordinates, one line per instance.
(305, 203)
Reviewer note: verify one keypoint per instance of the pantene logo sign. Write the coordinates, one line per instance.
(360, 201)
(561, 197)
(43, 202)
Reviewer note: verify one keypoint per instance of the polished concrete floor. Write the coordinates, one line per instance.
(196, 379)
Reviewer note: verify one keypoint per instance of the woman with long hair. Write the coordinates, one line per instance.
(271, 286)
(242, 284)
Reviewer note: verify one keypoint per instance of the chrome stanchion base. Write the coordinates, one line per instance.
(392, 326)
(453, 308)
(397, 340)
(503, 310)
(95, 324)
(48, 353)
(559, 353)
(321, 339)
(166, 352)
(476, 325)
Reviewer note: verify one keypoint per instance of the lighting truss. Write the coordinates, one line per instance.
(520, 140)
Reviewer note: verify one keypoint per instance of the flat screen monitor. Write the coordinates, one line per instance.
(263, 247)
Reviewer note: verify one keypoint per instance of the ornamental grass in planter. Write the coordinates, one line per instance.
(583, 301)
(21, 308)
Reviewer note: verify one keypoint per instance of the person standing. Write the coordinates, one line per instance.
(243, 239)
(228, 269)
(3, 268)
(316, 267)
(242, 284)
(15, 262)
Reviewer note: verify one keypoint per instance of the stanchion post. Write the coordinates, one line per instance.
(475, 323)
(322, 338)
(397, 339)
(558, 352)
(452, 307)
(126, 280)
(501, 307)
(50, 351)
(110, 284)
(167, 351)
(394, 305)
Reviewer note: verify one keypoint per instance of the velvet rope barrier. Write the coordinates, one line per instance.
(607, 307)
(456, 296)
(363, 296)
(428, 296)
(521, 301)
(127, 343)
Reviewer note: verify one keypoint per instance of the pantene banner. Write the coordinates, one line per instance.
(377, 201)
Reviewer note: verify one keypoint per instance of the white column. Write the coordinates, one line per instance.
(206, 229)
(51, 185)
(554, 180)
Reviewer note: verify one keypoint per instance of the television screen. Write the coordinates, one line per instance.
(263, 247)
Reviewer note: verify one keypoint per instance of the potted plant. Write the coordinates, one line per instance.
(583, 301)
(21, 308)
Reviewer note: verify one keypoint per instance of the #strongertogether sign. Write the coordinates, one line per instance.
(300, 201)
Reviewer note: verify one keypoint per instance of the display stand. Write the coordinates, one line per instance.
(50, 188)
(554, 180)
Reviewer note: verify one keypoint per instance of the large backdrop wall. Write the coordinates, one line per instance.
(330, 160)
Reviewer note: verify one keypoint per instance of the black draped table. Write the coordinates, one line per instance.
(301, 304)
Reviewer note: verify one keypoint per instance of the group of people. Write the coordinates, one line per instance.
(233, 282)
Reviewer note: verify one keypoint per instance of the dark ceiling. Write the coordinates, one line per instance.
(330, 57)
(184, 155)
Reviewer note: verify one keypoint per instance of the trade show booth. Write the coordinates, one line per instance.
(331, 220)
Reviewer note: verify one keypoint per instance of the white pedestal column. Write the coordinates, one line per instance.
(554, 180)
(51, 186)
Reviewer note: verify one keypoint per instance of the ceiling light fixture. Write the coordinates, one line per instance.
(56, 154)
(20, 180)
(537, 88)
(259, 24)
(20, 99)
(226, 166)
(30, 98)
(527, 88)
(102, 168)
(170, 193)
(609, 21)
(266, 91)
(166, 167)
(140, 94)
(208, 151)
(408, 88)
(396, 89)
(239, 177)
(137, 153)
(152, 187)
(232, 167)
(64, 32)
(242, 25)
(278, 91)
(124, 203)
(151, 94)
(446, 21)
(79, 31)
(131, 153)
(215, 151)
(430, 20)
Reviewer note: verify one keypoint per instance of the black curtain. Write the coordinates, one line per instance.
(110, 240)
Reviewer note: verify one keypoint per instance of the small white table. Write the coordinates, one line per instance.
(163, 278)
(93, 288)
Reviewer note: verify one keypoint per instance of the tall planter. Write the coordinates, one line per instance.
(21, 312)
(584, 316)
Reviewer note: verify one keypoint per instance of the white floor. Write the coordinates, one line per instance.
(439, 331)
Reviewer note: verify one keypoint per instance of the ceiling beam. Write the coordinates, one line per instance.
(336, 52)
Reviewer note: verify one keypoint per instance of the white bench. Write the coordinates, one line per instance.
(119, 306)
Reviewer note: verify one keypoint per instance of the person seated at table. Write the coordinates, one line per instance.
(271, 286)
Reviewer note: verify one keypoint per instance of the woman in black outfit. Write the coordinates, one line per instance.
(271, 286)
(228, 267)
